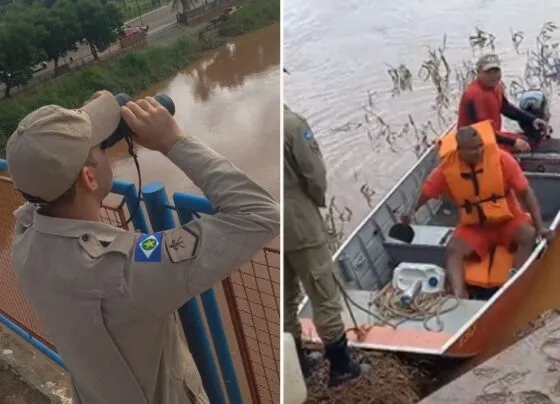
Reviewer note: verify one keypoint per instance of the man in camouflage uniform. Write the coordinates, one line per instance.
(306, 254)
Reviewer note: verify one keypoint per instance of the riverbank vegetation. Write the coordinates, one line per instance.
(448, 80)
(130, 73)
(33, 33)
(251, 17)
(131, 9)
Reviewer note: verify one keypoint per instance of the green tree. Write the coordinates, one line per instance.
(99, 24)
(60, 30)
(18, 51)
(48, 3)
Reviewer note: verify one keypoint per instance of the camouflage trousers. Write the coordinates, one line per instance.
(313, 267)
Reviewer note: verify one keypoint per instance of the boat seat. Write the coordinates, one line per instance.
(427, 247)
(541, 162)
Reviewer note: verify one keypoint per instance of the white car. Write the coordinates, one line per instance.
(39, 66)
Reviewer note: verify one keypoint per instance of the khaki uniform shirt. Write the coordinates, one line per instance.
(305, 185)
(108, 297)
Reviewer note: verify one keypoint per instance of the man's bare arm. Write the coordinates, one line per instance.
(528, 198)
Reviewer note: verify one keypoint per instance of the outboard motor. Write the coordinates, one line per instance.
(536, 103)
(545, 156)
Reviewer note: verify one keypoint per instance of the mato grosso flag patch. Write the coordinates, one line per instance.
(148, 248)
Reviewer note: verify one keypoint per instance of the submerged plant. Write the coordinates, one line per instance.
(436, 69)
(482, 40)
(516, 39)
(335, 219)
(401, 77)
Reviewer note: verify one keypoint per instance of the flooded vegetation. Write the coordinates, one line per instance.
(385, 80)
(541, 70)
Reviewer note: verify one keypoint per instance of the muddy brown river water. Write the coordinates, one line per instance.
(229, 98)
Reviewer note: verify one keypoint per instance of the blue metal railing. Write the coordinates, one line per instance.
(37, 343)
(159, 212)
(188, 206)
(161, 217)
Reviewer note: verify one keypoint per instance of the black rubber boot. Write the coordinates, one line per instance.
(306, 361)
(343, 368)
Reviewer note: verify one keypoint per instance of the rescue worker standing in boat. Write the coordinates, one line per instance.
(306, 254)
(108, 297)
(484, 182)
(484, 99)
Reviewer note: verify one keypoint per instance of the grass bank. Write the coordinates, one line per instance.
(132, 72)
(251, 17)
(131, 9)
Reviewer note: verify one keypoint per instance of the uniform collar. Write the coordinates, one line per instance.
(28, 216)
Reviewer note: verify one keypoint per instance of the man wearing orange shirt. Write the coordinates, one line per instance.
(484, 182)
(485, 98)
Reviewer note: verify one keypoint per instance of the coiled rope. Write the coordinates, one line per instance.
(424, 307)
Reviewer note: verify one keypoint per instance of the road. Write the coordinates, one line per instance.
(163, 25)
(159, 20)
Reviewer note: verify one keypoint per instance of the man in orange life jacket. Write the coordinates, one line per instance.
(484, 99)
(483, 181)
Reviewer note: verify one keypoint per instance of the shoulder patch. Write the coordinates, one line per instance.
(148, 248)
(181, 243)
(308, 135)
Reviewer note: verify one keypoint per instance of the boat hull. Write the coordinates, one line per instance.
(366, 249)
(472, 339)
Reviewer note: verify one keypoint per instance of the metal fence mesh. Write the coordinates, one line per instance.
(12, 302)
(254, 292)
(114, 217)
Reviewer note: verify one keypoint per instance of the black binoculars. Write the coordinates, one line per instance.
(123, 131)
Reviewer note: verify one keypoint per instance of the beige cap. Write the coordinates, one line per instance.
(487, 62)
(51, 145)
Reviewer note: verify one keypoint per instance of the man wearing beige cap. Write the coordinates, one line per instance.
(485, 99)
(107, 297)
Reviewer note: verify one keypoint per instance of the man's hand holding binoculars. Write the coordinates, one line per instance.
(152, 125)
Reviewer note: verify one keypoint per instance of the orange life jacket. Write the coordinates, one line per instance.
(492, 270)
(479, 191)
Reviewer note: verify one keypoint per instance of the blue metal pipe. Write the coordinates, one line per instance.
(186, 204)
(41, 346)
(219, 338)
(195, 333)
(155, 199)
(193, 203)
(128, 190)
